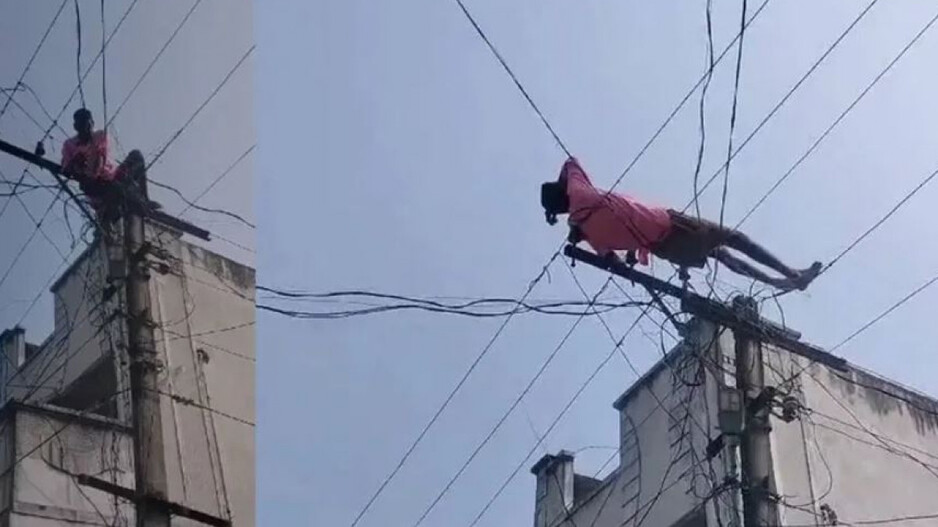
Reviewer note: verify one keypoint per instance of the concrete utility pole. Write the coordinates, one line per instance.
(758, 483)
(150, 494)
(745, 408)
(149, 463)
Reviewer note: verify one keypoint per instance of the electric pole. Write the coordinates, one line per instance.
(149, 463)
(758, 483)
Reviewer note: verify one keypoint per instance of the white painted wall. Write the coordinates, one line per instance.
(866, 455)
(203, 306)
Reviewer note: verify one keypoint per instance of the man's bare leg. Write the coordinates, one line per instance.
(800, 277)
(742, 267)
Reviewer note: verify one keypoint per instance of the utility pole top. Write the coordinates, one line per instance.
(742, 317)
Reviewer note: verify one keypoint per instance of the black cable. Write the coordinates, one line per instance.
(840, 118)
(513, 406)
(32, 57)
(514, 77)
(153, 62)
(683, 101)
(201, 107)
(545, 267)
(882, 220)
(729, 148)
(559, 417)
(81, 89)
(450, 397)
(191, 204)
(218, 179)
(75, 91)
(785, 99)
(703, 99)
(103, 67)
(23, 110)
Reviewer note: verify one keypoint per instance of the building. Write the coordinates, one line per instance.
(847, 447)
(67, 402)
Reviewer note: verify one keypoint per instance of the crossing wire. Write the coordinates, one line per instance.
(32, 58)
(785, 99)
(840, 118)
(544, 269)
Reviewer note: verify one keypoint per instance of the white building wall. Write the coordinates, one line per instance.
(49, 447)
(866, 455)
(865, 448)
(203, 307)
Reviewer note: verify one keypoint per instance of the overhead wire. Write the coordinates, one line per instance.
(153, 62)
(505, 415)
(514, 78)
(840, 118)
(104, 68)
(81, 88)
(702, 107)
(201, 107)
(785, 98)
(602, 364)
(543, 272)
(218, 179)
(32, 58)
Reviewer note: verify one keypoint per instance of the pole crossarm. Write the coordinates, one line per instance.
(172, 508)
(56, 170)
(752, 325)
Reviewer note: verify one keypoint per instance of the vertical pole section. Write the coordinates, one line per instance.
(758, 484)
(149, 466)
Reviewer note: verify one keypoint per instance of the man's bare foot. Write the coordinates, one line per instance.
(806, 276)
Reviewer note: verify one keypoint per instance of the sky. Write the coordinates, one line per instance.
(206, 48)
(396, 155)
(399, 157)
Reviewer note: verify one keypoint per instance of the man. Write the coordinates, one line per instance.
(85, 158)
(612, 222)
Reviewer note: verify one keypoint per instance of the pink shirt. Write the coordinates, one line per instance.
(615, 222)
(95, 153)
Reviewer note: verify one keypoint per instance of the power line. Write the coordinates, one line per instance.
(785, 99)
(32, 57)
(558, 418)
(198, 110)
(218, 179)
(886, 313)
(514, 77)
(449, 398)
(729, 148)
(103, 67)
(537, 279)
(703, 100)
(191, 204)
(153, 62)
(683, 101)
(839, 118)
(881, 221)
(513, 406)
(107, 42)
(81, 89)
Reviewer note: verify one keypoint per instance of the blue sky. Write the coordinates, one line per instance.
(397, 156)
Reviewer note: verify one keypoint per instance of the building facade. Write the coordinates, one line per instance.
(67, 398)
(847, 447)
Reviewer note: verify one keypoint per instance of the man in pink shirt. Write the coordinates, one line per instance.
(86, 159)
(612, 222)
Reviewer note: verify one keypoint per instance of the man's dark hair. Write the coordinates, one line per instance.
(81, 114)
(554, 200)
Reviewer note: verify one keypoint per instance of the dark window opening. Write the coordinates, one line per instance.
(93, 391)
